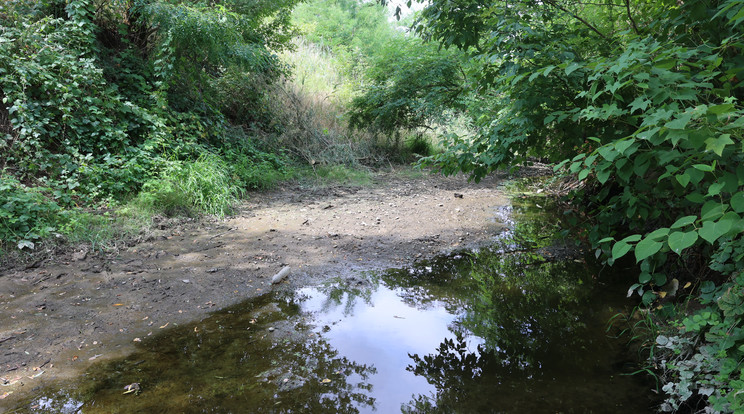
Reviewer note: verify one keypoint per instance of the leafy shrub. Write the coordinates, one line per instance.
(704, 353)
(26, 215)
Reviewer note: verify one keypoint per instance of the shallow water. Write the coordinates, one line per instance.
(508, 329)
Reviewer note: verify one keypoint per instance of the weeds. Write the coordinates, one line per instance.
(203, 186)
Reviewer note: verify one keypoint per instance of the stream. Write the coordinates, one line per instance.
(520, 326)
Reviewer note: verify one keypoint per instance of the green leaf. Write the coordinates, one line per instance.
(715, 189)
(620, 249)
(720, 109)
(658, 234)
(680, 240)
(696, 198)
(644, 278)
(608, 152)
(683, 179)
(712, 210)
(737, 202)
(713, 231)
(639, 103)
(681, 121)
(571, 68)
(717, 145)
(695, 175)
(632, 238)
(684, 221)
(603, 176)
(622, 146)
(646, 248)
(583, 174)
(703, 167)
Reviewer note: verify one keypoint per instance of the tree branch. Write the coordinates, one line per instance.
(587, 24)
(632, 22)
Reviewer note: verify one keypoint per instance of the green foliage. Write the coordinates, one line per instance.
(101, 98)
(26, 215)
(410, 86)
(254, 168)
(705, 353)
(58, 103)
(201, 186)
(419, 145)
(352, 31)
(643, 101)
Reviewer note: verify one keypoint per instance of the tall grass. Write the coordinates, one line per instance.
(318, 73)
(201, 186)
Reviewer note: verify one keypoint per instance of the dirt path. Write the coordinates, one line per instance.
(59, 319)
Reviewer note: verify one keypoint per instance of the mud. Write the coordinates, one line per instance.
(59, 318)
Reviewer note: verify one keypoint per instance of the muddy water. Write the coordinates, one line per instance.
(515, 328)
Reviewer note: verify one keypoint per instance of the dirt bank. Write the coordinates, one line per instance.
(59, 318)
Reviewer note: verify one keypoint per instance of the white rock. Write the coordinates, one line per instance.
(281, 275)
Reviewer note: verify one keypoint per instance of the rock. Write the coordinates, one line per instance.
(80, 256)
(281, 275)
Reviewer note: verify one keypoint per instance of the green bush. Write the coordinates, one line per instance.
(26, 215)
(703, 352)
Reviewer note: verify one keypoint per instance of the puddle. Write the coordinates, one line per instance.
(509, 329)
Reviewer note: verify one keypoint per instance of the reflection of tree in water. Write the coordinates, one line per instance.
(229, 362)
(532, 310)
(484, 381)
(458, 376)
(347, 293)
(537, 353)
(521, 304)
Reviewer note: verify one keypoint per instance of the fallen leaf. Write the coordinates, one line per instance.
(118, 304)
(74, 357)
(137, 340)
(94, 357)
(325, 381)
(688, 284)
(662, 294)
(164, 325)
(5, 395)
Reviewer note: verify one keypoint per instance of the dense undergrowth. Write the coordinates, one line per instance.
(165, 107)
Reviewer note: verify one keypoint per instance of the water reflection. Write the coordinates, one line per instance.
(511, 329)
(229, 362)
